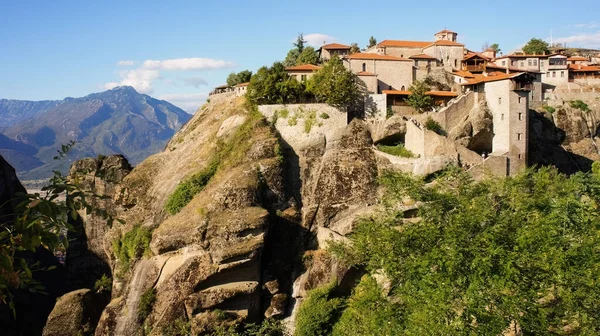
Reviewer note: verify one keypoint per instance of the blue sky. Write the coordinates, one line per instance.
(179, 50)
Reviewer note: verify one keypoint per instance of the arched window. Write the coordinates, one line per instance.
(455, 63)
(402, 88)
(364, 67)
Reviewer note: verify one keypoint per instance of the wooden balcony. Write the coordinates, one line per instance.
(474, 68)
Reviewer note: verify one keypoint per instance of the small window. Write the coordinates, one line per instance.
(499, 100)
(520, 156)
(502, 116)
(520, 116)
(562, 74)
(520, 100)
(529, 63)
(553, 74)
(519, 136)
(389, 87)
(548, 74)
(304, 78)
(364, 67)
(455, 63)
(534, 62)
(401, 56)
(460, 80)
(402, 88)
(542, 63)
(522, 64)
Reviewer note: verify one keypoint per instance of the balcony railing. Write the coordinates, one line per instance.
(471, 68)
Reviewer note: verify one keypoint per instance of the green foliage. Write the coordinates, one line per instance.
(273, 85)
(132, 246)
(308, 56)
(293, 121)
(309, 120)
(485, 254)
(299, 44)
(189, 187)
(146, 304)
(284, 113)
(294, 54)
(324, 115)
(268, 327)
(389, 112)
(549, 109)
(496, 48)
(40, 220)
(335, 85)
(354, 48)
(536, 46)
(580, 105)
(103, 284)
(180, 327)
(434, 126)
(369, 313)
(397, 149)
(239, 77)
(372, 42)
(418, 98)
(319, 312)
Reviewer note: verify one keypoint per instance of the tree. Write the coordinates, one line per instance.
(299, 44)
(372, 42)
(293, 55)
(308, 56)
(354, 48)
(536, 46)
(482, 255)
(335, 85)
(418, 98)
(496, 48)
(273, 85)
(238, 78)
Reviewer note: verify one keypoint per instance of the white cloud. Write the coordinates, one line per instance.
(591, 40)
(188, 64)
(589, 25)
(125, 63)
(188, 102)
(318, 39)
(194, 81)
(141, 79)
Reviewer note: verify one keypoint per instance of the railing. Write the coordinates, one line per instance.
(474, 67)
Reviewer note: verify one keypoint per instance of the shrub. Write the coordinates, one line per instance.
(310, 120)
(103, 284)
(146, 303)
(274, 118)
(389, 112)
(284, 113)
(180, 327)
(580, 105)
(434, 126)
(293, 121)
(133, 245)
(188, 188)
(319, 312)
(549, 109)
(324, 115)
(397, 149)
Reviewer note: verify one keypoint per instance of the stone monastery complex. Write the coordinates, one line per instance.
(509, 85)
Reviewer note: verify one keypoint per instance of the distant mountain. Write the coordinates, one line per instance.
(120, 121)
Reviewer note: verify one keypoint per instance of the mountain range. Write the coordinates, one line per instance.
(117, 121)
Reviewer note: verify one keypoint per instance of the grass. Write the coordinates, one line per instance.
(397, 150)
(293, 121)
(580, 105)
(188, 188)
(147, 301)
(324, 115)
(284, 113)
(549, 109)
(309, 120)
(103, 284)
(434, 126)
(133, 245)
(319, 312)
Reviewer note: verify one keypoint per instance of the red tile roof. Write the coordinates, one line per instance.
(429, 93)
(445, 31)
(462, 73)
(472, 54)
(583, 68)
(335, 46)
(366, 73)
(421, 56)
(495, 76)
(243, 84)
(446, 43)
(577, 58)
(303, 67)
(367, 56)
(403, 44)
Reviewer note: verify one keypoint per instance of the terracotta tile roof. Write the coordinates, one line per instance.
(577, 58)
(303, 67)
(224, 86)
(496, 76)
(462, 73)
(510, 68)
(472, 54)
(429, 93)
(421, 56)
(367, 56)
(403, 44)
(445, 31)
(583, 68)
(366, 73)
(335, 46)
(243, 84)
(446, 43)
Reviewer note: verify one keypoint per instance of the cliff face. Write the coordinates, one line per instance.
(252, 242)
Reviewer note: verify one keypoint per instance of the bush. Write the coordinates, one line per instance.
(133, 245)
(180, 327)
(103, 284)
(580, 105)
(284, 113)
(309, 120)
(319, 312)
(324, 115)
(293, 121)
(434, 126)
(146, 303)
(397, 149)
(188, 188)
(549, 109)
(389, 112)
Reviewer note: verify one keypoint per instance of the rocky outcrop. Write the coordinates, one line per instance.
(475, 131)
(75, 313)
(9, 187)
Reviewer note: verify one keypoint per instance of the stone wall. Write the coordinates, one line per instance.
(451, 56)
(403, 52)
(394, 74)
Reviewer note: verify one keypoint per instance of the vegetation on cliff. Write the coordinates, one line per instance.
(481, 255)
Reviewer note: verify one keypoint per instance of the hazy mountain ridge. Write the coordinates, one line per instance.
(117, 121)
(13, 111)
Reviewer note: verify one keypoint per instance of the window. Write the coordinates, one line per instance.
(460, 80)
(520, 156)
(520, 115)
(553, 74)
(562, 74)
(402, 88)
(503, 63)
(401, 56)
(534, 62)
(519, 136)
(389, 87)
(303, 78)
(499, 100)
(502, 116)
(364, 67)
(522, 64)
(520, 100)
(455, 63)
(529, 63)
(548, 74)
(542, 63)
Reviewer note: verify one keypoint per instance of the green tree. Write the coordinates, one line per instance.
(239, 77)
(372, 42)
(273, 85)
(335, 85)
(483, 255)
(308, 56)
(536, 46)
(291, 58)
(496, 48)
(354, 48)
(299, 44)
(418, 98)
